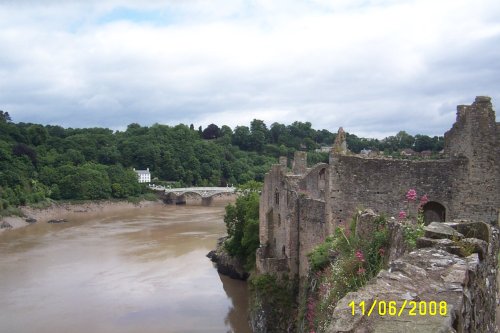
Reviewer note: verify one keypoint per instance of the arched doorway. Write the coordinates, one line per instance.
(434, 212)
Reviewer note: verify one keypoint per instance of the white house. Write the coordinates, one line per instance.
(144, 176)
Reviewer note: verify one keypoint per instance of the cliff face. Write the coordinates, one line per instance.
(227, 264)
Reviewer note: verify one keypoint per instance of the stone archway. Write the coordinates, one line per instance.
(434, 212)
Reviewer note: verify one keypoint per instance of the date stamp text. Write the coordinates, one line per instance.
(401, 308)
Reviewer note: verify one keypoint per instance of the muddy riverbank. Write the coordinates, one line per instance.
(63, 210)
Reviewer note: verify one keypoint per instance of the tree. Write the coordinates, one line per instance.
(241, 137)
(22, 149)
(258, 135)
(37, 135)
(405, 140)
(5, 117)
(277, 132)
(242, 224)
(211, 132)
(423, 142)
(226, 131)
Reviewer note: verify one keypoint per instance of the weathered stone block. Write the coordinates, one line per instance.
(366, 226)
(441, 230)
(479, 230)
(474, 245)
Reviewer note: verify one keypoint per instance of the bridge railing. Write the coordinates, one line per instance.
(202, 189)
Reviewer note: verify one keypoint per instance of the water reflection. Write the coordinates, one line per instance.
(237, 317)
(137, 271)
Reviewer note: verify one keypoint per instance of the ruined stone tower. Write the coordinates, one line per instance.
(300, 208)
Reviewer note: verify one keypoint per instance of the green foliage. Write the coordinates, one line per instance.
(96, 163)
(322, 255)
(250, 186)
(242, 224)
(11, 211)
(412, 232)
(341, 264)
(277, 298)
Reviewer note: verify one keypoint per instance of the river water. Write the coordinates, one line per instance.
(140, 270)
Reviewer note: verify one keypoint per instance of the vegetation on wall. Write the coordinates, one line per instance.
(274, 302)
(412, 218)
(341, 264)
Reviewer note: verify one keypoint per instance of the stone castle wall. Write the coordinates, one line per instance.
(299, 208)
(357, 183)
(475, 136)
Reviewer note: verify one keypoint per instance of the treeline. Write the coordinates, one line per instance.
(302, 136)
(39, 162)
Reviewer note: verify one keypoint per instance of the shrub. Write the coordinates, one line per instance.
(277, 297)
(242, 224)
(341, 264)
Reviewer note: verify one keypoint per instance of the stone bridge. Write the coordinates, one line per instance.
(204, 192)
(180, 195)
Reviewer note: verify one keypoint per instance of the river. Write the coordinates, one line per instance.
(140, 270)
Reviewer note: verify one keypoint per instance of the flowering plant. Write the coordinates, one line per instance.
(413, 228)
(411, 195)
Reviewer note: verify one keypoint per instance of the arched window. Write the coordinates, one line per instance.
(434, 212)
(322, 180)
(277, 197)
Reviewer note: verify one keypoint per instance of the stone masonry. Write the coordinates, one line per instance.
(300, 207)
(437, 288)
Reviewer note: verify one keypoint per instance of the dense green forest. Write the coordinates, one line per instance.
(39, 162)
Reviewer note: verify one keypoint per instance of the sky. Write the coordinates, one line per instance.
(374, 67)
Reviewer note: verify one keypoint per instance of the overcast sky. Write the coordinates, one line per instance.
(372, 66)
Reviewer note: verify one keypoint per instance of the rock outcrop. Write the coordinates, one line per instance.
(226, 264)
(55, 221)
(5, 225)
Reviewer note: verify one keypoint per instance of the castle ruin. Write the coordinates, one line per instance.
(300, 207)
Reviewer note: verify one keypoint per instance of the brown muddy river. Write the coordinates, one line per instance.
(141, 270)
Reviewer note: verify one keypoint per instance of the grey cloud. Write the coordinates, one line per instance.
(229, 70)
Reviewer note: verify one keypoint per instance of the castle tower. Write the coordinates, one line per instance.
(475, 136)
(299, 163)
(340, 144)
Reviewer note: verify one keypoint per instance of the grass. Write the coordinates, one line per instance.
(11, 211)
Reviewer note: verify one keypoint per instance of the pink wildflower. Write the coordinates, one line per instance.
(402, 215)
(360, 256)
(423, 200)
(361, 271)
(381, 251)
(411, 195)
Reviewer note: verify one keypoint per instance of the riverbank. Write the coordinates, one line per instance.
(225, 263)
(66, 210)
